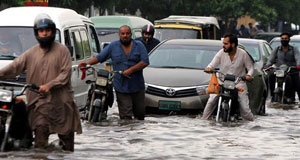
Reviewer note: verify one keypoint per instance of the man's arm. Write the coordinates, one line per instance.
(297, 56)
(102, 56)
(215, 62)
(15, 68)
(139, 66)
(272, 57)
(64, 73)
(250, 67)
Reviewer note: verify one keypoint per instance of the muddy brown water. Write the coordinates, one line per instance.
(275, 136)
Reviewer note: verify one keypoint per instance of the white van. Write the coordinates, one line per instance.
(73, 30)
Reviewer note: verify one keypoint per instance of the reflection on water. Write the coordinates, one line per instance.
(275, 136)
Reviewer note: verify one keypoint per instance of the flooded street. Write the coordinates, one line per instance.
(275, 136)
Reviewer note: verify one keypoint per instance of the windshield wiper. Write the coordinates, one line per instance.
(174, 67)
(7, 56)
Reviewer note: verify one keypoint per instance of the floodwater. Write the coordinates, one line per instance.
(275, 136)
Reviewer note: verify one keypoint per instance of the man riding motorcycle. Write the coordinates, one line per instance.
(147, 37)
(289, 55)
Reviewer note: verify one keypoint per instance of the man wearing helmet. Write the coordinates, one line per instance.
(48, 65)
(147, 37)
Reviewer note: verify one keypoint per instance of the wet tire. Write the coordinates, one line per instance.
(225, 112)
(277, 98)
(97, 111)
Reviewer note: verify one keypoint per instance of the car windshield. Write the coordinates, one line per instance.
(164, 33)
(294, 43)
(183, 56)
(253, 49)
(107, 35)
(16, 40)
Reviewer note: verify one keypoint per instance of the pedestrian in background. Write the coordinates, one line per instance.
(253, 30)
(244, 32)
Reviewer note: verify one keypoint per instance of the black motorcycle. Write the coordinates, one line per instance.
(283, 75)
(100, 94)
(15, 132)
(228, 106)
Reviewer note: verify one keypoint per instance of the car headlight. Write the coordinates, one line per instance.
(279, 73)
(101, 81)
(201, 90)
(5, 95)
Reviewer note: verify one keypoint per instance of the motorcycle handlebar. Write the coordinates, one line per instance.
(94, 69)
(35, 87)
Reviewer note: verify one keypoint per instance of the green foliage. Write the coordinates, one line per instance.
(264, 11)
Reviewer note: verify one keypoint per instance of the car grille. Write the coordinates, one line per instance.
(179, 93)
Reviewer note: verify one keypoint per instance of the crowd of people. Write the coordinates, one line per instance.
(245, 32)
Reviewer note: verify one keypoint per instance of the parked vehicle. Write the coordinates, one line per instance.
(187, 27)
(15, 132)
(100, 94)
(73, 30)
(283, 75)
(260, 50)
(295, 41)
(268, 36)
(108, 27)
(175, 78)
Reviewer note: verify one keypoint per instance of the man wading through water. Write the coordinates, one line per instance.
(48, 65)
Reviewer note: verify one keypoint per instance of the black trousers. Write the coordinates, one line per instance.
(131, 104)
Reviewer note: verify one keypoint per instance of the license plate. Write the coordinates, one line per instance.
(169, 105)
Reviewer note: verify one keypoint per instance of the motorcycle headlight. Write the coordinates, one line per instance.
(279, 73)
(201, 90)
(229, 85)
(5, 95)
(101, 81)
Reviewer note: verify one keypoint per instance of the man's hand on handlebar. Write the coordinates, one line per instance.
(82, 64)
(207, 69)
(44, 89)
(248, 78)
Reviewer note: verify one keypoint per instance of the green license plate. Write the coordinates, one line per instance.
(169, 105)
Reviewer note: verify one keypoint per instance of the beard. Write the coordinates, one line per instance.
(146, 40)
(125, 42)
(46, 42)
(228, 50)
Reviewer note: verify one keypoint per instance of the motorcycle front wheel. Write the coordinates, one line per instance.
(225, 111)
(277, 97)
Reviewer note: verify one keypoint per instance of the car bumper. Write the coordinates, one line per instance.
(191, 102)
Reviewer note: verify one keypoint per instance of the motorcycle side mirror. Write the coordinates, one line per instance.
(88, 81)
